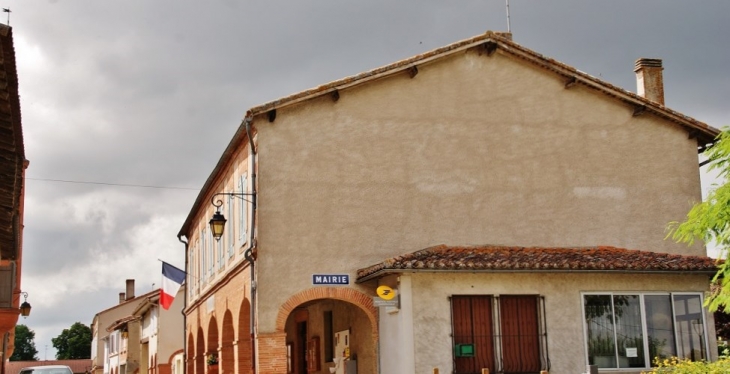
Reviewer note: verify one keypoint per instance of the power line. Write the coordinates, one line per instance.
(113, 184)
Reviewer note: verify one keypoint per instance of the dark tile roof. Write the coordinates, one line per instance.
(535, 259)
(12, 150)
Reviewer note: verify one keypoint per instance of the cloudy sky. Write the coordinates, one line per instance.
(127, 105)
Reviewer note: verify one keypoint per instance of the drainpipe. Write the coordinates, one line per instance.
(185, 306)
(248, 254)
(6, 359)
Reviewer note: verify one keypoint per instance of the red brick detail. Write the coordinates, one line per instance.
(347, 294)
(164, 369)
(271, 353)
(172, 356)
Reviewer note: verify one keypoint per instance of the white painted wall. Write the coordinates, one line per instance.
(563, 309)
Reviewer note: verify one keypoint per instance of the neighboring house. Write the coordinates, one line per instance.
(124, 354)
(108, 355)
(82, 366)
(160, 341)
(12, 190)
(515, 206)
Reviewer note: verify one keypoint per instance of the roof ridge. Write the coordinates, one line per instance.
(538, 258)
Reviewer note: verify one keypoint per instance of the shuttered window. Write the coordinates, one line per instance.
(472, 324)
(520, 334)
(505, 331)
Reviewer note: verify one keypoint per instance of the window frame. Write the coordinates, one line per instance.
(210, 252)
(232, 230)
(243, 210)
(191, 270)
(219, 250)
(202, 255)
(648, 361)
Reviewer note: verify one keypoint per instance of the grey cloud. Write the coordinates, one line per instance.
(150, 92)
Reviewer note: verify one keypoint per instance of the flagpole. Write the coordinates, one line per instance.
(509, 29)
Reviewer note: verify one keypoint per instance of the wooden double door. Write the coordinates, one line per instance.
(504, 331)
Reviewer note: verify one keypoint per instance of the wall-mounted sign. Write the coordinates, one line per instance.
(385, 292)
(330, 279)
(394, 303)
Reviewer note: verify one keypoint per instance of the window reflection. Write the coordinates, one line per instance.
(615, 326)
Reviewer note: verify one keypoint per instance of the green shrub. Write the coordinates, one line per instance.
(676, 366)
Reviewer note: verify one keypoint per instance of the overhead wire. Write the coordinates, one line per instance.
(113, 184)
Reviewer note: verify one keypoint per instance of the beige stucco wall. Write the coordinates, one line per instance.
(105, 318)
(170, 325)
(473, 150)
(563, 308)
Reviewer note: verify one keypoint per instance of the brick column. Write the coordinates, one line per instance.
(271, 352)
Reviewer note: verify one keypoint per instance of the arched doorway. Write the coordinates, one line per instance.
(243, 348)
(200, 353)
(227, 359)
(212, 347)
(313, 320)
(190, 359)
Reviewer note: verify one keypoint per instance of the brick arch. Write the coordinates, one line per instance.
(347, 294)
(227, 358)
(172, 356)
(189, 357)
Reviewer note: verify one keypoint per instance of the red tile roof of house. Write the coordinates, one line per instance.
(121, 322)
(534, 259)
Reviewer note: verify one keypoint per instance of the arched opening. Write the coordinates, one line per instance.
(200, 353)
(190, 359)
(227, 360)
(243, 348)
(329, 328)
(213, 368)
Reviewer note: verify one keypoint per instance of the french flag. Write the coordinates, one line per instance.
(172, 278)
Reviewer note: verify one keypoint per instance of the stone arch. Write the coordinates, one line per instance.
(227, 360)
(347, 294)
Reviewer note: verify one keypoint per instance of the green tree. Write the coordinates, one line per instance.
(73, 343)
(709, 221)
(24, 344)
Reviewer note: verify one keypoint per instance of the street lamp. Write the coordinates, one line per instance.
(218, 221)
(25, 306)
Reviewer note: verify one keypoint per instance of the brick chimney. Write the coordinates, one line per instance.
(506, 35)
(130, 289)
(649, 79)
(121, 298)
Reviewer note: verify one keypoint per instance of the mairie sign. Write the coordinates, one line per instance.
(330, 279)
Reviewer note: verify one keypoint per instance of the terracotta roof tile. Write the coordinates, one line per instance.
(512, 258)
(121, 322)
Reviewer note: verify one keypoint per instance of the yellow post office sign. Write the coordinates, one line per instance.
(385, 292)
